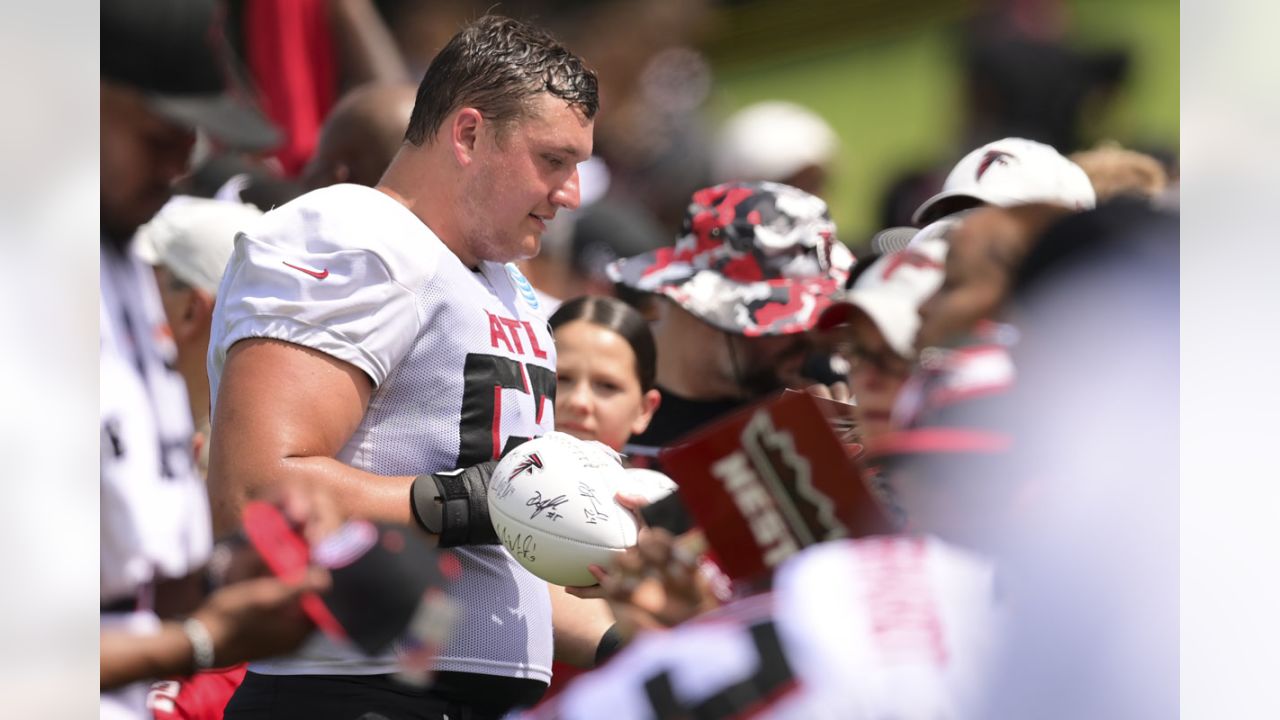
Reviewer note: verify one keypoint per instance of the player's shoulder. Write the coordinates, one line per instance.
(350, 225)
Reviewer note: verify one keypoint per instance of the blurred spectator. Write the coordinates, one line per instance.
(603, 233)
(777, 141)
(1115, 171)
(733, 300)
(304, 53)
(188, 243)
(874, 324)
(163, 74)
(986, 248)
(606, 367)
(240, 177)
(360, 136)
(1008, 172)
(1024, 81)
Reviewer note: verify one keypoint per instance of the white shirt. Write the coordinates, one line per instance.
(462, 362)
(154, 506)
(887, 627)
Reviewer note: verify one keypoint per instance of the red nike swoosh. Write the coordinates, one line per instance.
(317, 275)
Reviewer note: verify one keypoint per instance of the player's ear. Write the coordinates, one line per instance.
(464, 134)
(649, 405)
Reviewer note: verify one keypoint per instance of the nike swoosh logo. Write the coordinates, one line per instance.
(317, 275)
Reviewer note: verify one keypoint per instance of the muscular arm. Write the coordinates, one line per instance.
(283, 412)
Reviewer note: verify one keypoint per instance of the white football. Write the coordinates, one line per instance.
(648, 484)
(551, 503)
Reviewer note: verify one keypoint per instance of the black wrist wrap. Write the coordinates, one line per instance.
(462, 497)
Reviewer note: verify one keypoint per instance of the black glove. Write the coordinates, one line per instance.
(455, 505)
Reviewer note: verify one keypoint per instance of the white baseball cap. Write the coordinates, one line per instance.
(891, 291)
(771, 140)
(193, 237)
(1009, 172)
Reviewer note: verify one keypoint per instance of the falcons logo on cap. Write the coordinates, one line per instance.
(992, 157)
(529, 463)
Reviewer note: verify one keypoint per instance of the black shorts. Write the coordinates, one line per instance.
(452, 696)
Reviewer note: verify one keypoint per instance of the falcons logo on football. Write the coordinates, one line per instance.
(528, 464)
(992, 157)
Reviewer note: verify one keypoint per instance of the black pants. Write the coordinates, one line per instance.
(453, 696)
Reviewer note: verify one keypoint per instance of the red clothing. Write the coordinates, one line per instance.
(289, 50)
(201, 697)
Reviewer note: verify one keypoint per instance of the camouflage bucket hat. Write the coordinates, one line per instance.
(753, 259)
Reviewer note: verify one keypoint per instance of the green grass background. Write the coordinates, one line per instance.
(893, 95)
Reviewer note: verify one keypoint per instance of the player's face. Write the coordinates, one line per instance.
(876, 374)
(971, 291)
(142, 155)
(523, 173)
(598, 394)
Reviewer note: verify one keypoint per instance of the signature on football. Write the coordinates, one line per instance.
(594, 514)
(522, 546)
(539, 505)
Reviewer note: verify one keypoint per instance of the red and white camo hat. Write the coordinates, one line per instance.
(754, 259)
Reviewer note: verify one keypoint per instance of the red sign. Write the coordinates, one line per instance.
(769, 480)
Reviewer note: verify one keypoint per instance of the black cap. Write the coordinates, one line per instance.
(177, 55)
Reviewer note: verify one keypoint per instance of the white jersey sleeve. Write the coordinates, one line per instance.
(338, 282)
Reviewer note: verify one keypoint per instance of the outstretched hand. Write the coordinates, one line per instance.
(654, 585)
(259, 618)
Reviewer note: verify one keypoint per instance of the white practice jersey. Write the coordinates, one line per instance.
(462, 363)
(890, 627)
(154, 506)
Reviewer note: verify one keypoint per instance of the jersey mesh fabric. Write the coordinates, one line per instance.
(477, 369)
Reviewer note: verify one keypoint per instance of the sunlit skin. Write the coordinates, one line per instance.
(598, 393)
(519, 180)
(488, 188)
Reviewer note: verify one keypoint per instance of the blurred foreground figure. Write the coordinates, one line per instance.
(188, 244)
(1028, 584)
(878, 627)
(162, 77)
(1094, 561)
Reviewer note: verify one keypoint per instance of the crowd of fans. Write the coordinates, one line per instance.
(336, 290)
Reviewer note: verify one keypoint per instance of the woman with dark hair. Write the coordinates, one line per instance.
(605, 370)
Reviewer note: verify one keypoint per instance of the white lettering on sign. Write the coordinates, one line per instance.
(757, 506)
